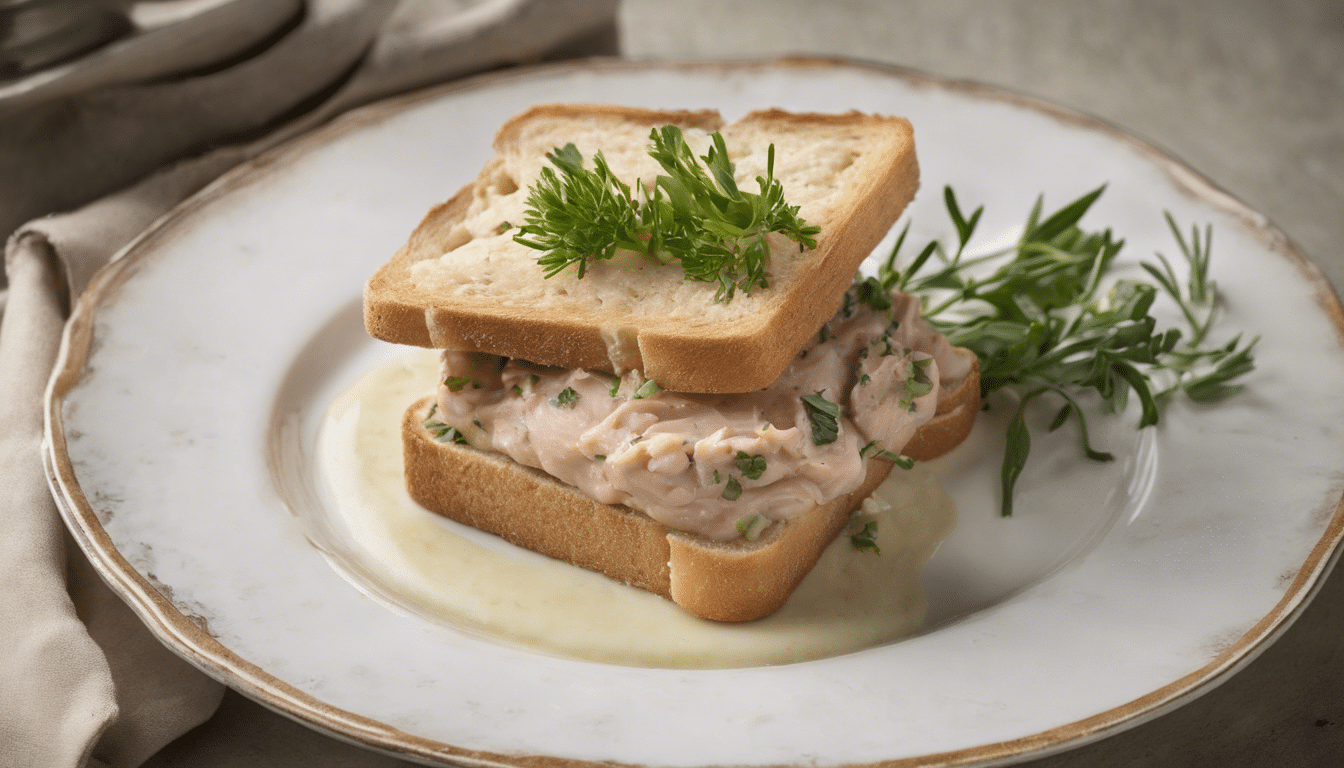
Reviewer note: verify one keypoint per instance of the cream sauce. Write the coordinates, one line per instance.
(452, 574)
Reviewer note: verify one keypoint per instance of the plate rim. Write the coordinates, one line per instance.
(181, 633)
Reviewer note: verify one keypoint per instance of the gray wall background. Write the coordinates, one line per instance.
(1250, 92)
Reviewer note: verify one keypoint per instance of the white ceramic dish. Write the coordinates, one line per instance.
(182, 417)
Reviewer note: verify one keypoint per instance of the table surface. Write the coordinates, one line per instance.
(1249, 92)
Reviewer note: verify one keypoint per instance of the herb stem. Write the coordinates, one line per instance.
(1038, 323)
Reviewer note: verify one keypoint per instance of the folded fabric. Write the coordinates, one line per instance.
(83, 680)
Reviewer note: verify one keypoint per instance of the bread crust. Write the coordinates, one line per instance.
(686, 355)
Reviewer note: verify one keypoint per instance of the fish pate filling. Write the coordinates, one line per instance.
(721, 466)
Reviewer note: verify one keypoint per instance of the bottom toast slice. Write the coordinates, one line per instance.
(735, 581)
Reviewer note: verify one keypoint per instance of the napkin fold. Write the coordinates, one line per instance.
(82, 681)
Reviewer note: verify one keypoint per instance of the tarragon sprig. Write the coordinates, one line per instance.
(694, 215)
(1044, 318)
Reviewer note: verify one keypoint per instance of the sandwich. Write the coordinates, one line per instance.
(654, 374)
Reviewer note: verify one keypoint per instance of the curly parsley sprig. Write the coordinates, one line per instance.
(1037, 317)
(694, 215)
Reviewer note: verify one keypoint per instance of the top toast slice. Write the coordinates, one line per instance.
(461, 282)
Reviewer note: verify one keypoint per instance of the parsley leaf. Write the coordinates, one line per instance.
(645, 389)
(457, 383)
(823, 416)
(445, 433)
(871, 293)
(732, 489)
(867, 538)
(566, 399)
(752, 467)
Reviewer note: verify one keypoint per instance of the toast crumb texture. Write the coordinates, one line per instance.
(462, 283)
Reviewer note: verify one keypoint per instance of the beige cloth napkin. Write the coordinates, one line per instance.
(82, 681)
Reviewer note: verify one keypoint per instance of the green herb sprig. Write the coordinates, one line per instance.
(866, 538)
(694, 215)
(1044, 318)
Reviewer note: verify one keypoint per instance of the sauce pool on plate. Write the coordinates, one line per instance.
(451, 574)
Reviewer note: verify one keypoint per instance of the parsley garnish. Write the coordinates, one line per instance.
(732, 489)
(1036, 316)
(824, 417)
(871, 292)
(566, 399)
(917, 383)
(457, 383)
(875, 449)
(752, 467)
(751, 526)
(445, 433)
(645, 389)
(867, 538)
(694, 215)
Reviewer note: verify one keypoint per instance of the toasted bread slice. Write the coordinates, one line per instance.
(462, 283)
(734, 581)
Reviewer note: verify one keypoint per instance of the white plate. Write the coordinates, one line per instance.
(182, 418)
